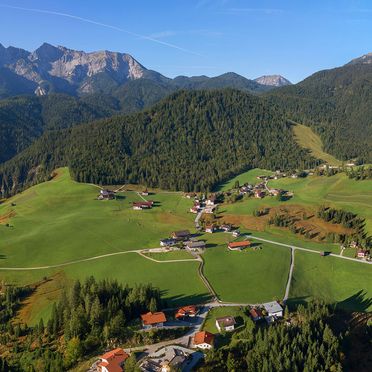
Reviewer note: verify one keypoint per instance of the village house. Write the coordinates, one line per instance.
(203, 340)
(210, 209)
(225, 227)
(181, 235)
(142, 205)
(190, 195)
(259, 194)
(211, 201)
(195, 245)
(238, 246)
(186, 312)
(195, 209)
(145, 192)
(167, 242)
(153, 320)
(273, 309)
(226, 323)
(236, 233)
(354, 244)
(106, 195)
(112, 361)
(363, 253)
(210, 229)
(275, 192)
(256, 314)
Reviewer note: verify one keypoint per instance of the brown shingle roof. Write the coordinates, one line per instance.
(226, 321)
(245, 243)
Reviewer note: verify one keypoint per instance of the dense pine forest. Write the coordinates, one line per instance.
(190, 141)
(337, 104)
(307, 343)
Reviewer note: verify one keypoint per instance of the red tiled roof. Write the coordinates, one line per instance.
(186, 310)
(256, 313)
(153, 318)
(245, 243)
(203, 337)
(113, 360)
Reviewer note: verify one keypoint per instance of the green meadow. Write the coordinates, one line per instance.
(218, 312)
(345, 283)
(61, 221)
(248, 276)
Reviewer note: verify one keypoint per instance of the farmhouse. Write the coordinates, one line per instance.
(259, 194)
(113, 360)
(256, 314)
(273, 309)
(142, 205)
(203, 340)
(275, 192)
(186, 312)
(238, 246)
(106, 195)
(211, 201)
(363, 253)
(226, 227)
(194, 209)
(210, 209)
(226, 323)
(210, 229)
(236, 233)
(145, 192)
(181, 235)
(153, 320)
(167, 242)
(195, 245)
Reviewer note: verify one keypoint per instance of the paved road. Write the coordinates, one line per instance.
(307, 249)
(137, 251)
(289, 276)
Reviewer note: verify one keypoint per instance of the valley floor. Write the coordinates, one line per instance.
(58, 231)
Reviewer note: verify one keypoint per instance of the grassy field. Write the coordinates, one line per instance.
(218, 312)
(172, 255)
(308, 139)
(248, 276)
(61, 220)
(334, 280)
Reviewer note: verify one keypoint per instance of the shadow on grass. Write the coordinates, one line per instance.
(182, 300)
(2, 257)
(359, 301)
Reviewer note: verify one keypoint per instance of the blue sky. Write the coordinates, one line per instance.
(195, 37)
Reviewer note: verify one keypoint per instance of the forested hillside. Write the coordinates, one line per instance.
(189, 141)
(337, 104)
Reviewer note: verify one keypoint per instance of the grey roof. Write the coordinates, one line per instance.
(272, 307)
(197, 244)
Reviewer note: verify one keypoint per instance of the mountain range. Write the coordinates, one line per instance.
(58, 69)
(47, 129)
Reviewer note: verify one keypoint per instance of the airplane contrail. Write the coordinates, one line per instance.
(87, 20)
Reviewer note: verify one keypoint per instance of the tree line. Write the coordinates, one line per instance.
(191, 141)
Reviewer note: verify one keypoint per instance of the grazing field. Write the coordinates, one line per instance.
(128, 269)
(308, 139)
(337, 191)
(248, 276)
(218, 312)
(332, 279)
(61, 220)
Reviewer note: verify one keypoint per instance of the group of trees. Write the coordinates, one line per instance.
(89, 317)
(307, 344)
(360, 173)
(191, 141)
(349, 220)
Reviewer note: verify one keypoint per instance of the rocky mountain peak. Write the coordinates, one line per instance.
(273, 80)
(366, 59)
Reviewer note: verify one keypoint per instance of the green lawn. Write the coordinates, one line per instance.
(332, 279)
(248, 276)
(172, 255)
(219, 312)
